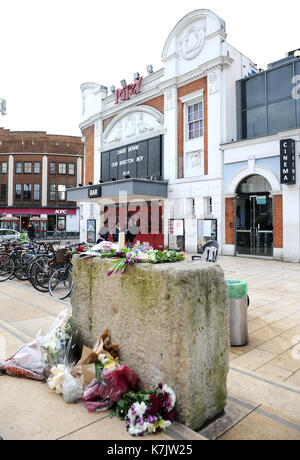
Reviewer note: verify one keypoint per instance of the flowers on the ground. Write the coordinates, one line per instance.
(148, 411)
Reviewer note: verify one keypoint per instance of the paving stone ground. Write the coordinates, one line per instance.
(263, 383)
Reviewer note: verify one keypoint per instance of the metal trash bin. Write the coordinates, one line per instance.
(238, 303)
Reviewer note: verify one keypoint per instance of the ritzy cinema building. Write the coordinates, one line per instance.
(154, 148)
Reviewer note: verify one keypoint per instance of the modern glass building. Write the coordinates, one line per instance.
(262, 206)
(266, 102)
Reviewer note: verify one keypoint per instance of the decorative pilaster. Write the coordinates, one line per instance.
(45, 181)
(10, 195)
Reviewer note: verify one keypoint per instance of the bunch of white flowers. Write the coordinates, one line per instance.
(103, 359)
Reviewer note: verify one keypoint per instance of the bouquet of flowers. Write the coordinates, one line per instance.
(58, 343)
(167, 256)
(142, 247)
(141, 253)
(148, 411)
(128, 257)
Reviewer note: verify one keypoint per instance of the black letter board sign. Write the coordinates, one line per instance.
(140, 160)
(288, 161)
(95, 191)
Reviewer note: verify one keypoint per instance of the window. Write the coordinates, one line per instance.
(27, 192)
(18, 192)
(195, 120)
(62, 168)
(3, 192)
(18, 167)
(37, 167)
(71, 169)
(52, 192)
(61, 223)
(266, 102)
(4, 168)
(191, 209)
(279, 83)
(27, 167)
(281, 116)
(52, 168)
(36, 192)
(61, 193)
(255, 122)
(253, 92)
(208, 206)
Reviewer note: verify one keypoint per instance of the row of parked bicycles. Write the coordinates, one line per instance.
(47, 266)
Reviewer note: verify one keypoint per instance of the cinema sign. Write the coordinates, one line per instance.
(288, 161)
(136, 161)
(127, 91)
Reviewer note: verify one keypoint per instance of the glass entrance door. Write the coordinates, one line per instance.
(254, 225)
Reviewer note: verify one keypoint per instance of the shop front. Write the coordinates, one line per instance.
(134, 206)
(47, 222)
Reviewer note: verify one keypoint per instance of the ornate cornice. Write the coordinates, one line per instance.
(217, 63)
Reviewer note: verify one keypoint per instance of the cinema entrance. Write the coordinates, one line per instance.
(254, 218)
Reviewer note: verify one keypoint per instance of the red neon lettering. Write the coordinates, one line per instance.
(125, 93)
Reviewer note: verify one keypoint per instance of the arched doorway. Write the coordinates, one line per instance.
(254, 217)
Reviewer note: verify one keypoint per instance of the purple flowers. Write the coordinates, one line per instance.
(155, 414)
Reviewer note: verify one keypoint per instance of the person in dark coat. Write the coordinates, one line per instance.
(132, 231)
(116, 233)
(103, 233)
(30, 231)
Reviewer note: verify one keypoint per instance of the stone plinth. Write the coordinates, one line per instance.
(171, 322)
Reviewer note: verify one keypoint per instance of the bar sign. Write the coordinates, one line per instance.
(288, 161)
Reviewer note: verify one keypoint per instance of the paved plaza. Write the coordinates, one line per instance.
(263, 383)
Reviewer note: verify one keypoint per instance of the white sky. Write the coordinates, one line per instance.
(50, 47)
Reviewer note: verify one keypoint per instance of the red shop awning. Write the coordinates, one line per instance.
(39, 211)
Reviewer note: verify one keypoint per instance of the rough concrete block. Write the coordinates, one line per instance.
(171, 322)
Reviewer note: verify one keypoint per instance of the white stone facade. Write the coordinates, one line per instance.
(195, 49)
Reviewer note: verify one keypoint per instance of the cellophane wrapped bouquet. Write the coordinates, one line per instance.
(58, 346)
(147, 412)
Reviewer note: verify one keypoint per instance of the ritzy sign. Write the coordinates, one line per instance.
(288, 161)
(127, 91)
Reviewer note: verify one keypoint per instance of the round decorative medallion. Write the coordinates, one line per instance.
(191, 42)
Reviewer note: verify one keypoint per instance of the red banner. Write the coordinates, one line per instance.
(39, 211)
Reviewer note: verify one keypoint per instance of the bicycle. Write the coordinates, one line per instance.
(61, 283)
(7, 265)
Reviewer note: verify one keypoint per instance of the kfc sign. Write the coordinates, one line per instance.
(127, 91)
(62, 212)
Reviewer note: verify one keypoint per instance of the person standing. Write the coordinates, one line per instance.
(115, 235)
(132, 231)
(30, 231)
(103, 233)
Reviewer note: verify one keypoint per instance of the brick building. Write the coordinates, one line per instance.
(36, 169)
(154, 144)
